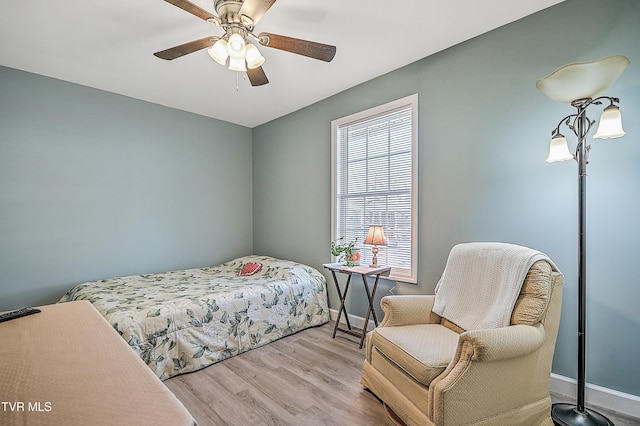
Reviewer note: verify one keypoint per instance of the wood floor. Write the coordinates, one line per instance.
(305, 379)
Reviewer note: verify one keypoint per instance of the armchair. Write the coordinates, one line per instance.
(428, 370)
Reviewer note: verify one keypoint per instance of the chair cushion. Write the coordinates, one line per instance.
(534, 295)
(423, 351)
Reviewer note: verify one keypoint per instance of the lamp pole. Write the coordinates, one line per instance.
(581, 158)
(566, 414)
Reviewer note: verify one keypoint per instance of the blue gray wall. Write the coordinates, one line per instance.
(95, 185)
(483, 138)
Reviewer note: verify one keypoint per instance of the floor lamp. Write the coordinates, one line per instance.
(579, 84)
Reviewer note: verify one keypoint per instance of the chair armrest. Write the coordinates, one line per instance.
(408, 309)
(494, 366)
(503, 343)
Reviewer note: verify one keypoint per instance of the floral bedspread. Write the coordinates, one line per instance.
(183, 321)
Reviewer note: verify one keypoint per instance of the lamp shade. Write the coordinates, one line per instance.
(375, 236)
(254, 58)
(610, 125)
(582, 80)
(237, 64)
(559, 149)
(236, 46)
(218, 51)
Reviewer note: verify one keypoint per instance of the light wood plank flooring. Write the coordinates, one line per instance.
(305, 379)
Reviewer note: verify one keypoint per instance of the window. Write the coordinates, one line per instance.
(374, 182)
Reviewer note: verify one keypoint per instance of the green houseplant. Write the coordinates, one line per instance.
(346, 253)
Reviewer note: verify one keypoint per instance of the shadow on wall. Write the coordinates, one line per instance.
(601, 335)
(37, 297)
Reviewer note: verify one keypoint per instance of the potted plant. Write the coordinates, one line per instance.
(346, 253)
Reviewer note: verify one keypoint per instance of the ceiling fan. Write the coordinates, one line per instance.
(238, 18)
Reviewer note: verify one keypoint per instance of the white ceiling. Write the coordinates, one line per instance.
(109, 45)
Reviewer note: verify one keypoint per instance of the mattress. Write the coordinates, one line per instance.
(182, 321)
(67, 366)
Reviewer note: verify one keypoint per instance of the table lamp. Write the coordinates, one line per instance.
(375, 237)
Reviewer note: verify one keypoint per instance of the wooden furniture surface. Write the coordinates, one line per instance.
(67, 366)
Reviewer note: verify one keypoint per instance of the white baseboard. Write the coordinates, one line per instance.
(595, 396)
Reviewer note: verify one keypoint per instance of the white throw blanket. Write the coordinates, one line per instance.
(481, 283)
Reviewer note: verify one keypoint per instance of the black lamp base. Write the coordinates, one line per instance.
(564, 414)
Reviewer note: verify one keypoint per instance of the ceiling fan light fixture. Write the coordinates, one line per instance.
(236, 47)
(237, 64)
(254, 58)
(218, 52)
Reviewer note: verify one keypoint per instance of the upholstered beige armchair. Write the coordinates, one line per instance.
(427, 369)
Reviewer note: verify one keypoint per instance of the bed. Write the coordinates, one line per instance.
(182, 321)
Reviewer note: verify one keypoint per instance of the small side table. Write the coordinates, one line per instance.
(365, 272)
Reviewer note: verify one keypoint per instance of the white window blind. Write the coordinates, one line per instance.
(374, 182)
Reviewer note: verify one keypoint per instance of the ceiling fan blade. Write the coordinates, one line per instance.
(257, 77)
(185, 49)
(192, 9)
(323, 52)
(255, 9)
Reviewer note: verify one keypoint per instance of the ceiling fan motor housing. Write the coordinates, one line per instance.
(229, 13)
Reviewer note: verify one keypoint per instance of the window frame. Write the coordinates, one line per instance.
(409, 275)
